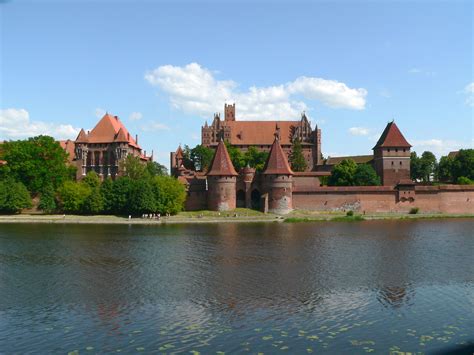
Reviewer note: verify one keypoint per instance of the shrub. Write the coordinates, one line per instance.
(414, 210)
(350, 213)
(13, 196)
(462, 180)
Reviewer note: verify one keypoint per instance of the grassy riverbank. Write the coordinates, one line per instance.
(240, 215)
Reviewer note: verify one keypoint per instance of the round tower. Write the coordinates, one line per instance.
(278, 180)
(221, 181)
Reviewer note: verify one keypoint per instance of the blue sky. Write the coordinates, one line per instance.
(165, 67)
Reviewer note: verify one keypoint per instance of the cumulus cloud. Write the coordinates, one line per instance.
(469, 91)
(16, 123)
(152, 126)
(359, 131)
(194, 89)
(135, 116)
(439, 146)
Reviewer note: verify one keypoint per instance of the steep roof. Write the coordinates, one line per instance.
(260, 132)
(359, 159)
(453, 154)
(107, 130)
(392, 137)
(81, 137)
(179, 153)
(68, 146)
(277, 163)
(221, 164)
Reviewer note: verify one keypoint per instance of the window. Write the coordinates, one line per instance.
(396, 149)
(392, 162)
(400, 163)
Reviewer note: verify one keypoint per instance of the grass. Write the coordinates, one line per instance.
(352, 218)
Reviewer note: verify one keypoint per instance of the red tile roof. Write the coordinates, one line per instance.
(179, 153)
(221, 164)
(68, 146)
(81, 137)
(277, 162)
(392, 137)
(260, 132)
(108, 130)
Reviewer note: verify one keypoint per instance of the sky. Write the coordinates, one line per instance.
(166, 67)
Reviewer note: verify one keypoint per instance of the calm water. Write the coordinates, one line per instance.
(295, 288)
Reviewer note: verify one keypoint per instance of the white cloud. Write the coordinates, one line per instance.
(438, 146)
(469, 91)
(135, 116)
(99, 112)
(359, 131)
(152, 126)
(16, 123)
(194, 89)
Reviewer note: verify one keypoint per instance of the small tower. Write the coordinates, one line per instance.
(221, 180)
(392, 156)
(277, 180)
(229, 112)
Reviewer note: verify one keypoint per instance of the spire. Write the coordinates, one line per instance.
(81, 137)
(179, 152)
(277, 163)
(221, 164)
(392, 137)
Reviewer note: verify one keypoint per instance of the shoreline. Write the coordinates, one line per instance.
(196, 218)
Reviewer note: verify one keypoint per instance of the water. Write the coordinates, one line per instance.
(375, 286)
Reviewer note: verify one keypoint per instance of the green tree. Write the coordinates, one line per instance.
(107, 192)
(156, 169)
(297, 159)
(13, 196)
(121, 190)
(365, 175)
(415, 167)
(36, 162)
(236, 156)
(133, 168)
(47, 199)
(255, 159)
(427, 166)
(445, 169)
(169, 193)
(201, 157)
(463, 164)
(462, 180)
(343, 173)
(187, 161)
(141, 198)
(72, 196)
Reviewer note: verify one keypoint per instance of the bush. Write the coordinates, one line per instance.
(462, 180)
(13, 196)
(414, 210)
(47, 201)
(350, 213)
(72, 196)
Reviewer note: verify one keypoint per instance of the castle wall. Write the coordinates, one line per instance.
(221, 193)
(434, 199)
(279, 189)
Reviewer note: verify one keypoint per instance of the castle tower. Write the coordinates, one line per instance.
(221, 180)
(277, 180)
(392, 156)
(229, 112)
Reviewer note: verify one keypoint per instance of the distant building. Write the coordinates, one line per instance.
(260, 134)
(102, 149)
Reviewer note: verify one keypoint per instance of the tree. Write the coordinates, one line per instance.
(133, 167)
(463, 164)
(255, 158)
(36, 162)
(156, 169)
(343, 173)
(47, 199)
(236, 156)
(427, 166)
(462, 180)
(169, 193)
(187, 161)
(365, 175)
(201, 157)
(120, 193)
(445, 169)
(297, 159)
(140, 199)
(415, 167)
(13, 196)
(72, 196)
(107, 192)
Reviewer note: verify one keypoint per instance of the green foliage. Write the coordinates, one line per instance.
(236, 156)
(47, 199)
(424, 167)
(365, 175)
(36, 162)
(169, 194)
(462, 180)
(463, 164)
(350, 213)
(201, 157)
(156, 169)
(92, 180)
(187, 161)
(255, 159)
(141, 198)
(414, 210)
(133, 168)
(72, 196)
(415, 167)
(343, 173)
(13, 196)
(324, 180)
(297, 159)
(445, 169)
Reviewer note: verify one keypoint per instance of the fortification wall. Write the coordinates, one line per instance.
(435, 199)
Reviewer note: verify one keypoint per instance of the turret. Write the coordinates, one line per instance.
(221, 180)
(392, 156)
(277, 180)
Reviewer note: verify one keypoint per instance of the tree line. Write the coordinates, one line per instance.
(37, 170)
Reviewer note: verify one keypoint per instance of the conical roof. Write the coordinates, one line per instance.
(81, 137)
(277, 162)
(392, 137)
(179, 153)
(121, 136)
(221, 164)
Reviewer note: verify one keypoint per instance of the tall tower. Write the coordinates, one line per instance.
(229, 112)
(277, 180)
(392, 156)
(221, 180)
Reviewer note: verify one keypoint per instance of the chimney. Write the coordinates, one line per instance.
(116, 117)
(128, 136)
(136, 139)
